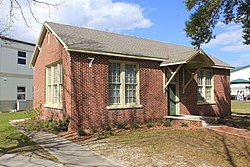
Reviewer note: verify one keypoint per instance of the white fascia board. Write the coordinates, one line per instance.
(115, 54)
(53, 32)
(222, 67)
(171, 64)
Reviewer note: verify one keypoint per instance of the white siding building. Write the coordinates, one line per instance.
(240, 80)
(16, 78)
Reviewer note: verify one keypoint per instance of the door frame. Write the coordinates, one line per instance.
(177, 93)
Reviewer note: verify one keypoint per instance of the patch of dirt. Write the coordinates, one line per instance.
(134, 156)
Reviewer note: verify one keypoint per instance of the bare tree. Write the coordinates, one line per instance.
(16, 7)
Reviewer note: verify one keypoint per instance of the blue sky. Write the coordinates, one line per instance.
(161, 20)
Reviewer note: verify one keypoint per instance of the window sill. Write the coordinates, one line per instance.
(207, 102)
(53, 106)
(123, 107)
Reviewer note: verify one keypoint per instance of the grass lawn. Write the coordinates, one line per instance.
(14, 142)
(175, 147)
(240, 107)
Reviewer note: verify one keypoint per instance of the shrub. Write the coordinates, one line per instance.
(48, 125)
(134, 125)
(184, 124)
(81, 132)
(121, 125)
(63, 124)
(104, 134)
(35, 113)
(150, 124)
(108, 128)
(166, 122)
(93, 130)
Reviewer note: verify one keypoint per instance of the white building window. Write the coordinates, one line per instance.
(123, 85)
(21, 93)
(205, 86)
(21, 58)
(54, 86)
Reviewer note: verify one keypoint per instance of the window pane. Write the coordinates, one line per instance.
(21, 54)
(130, 73)
(60, 74)
(114, 83)
(208, 78)
(130, 94)
(55, 94)
(49, 75)
(60, 94)
(200, 77)
(20, 96)
(200, 93)
(21, 61)
(131, 80)
(114, 73)
(55, 74)
(208, 93)
(114, 93)
(49, 93)
(20, 89)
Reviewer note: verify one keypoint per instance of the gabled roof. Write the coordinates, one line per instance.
(239, 68)
(15, 40)
(239, 81)
(76, 39)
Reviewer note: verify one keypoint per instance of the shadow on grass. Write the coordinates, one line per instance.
(237, 122)
(23, 145)
(236, 152)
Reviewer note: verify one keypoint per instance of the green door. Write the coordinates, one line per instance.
(172, 99)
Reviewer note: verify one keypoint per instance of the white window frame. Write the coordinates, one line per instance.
(123, 103)
(21, 93)
(203, 84)
(21, 58)
(54, 89)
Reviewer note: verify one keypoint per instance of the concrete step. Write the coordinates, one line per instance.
(205, 120)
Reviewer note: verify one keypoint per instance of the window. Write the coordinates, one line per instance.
(123, 85)
(205, 86)
(130, 83)
(21, 92)
(21, 58)
(54, 86)
(114, 83)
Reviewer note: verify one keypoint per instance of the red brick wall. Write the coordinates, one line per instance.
(222, 106)
(90, 92)
(51, 52)
(85, 93)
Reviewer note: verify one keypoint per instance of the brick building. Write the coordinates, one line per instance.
(100, 78)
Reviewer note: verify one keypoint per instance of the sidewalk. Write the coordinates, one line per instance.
(67, 152)
(10, 160)
(230, 130)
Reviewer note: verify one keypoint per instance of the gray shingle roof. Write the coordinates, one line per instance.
(218, 62)
(94, 40)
